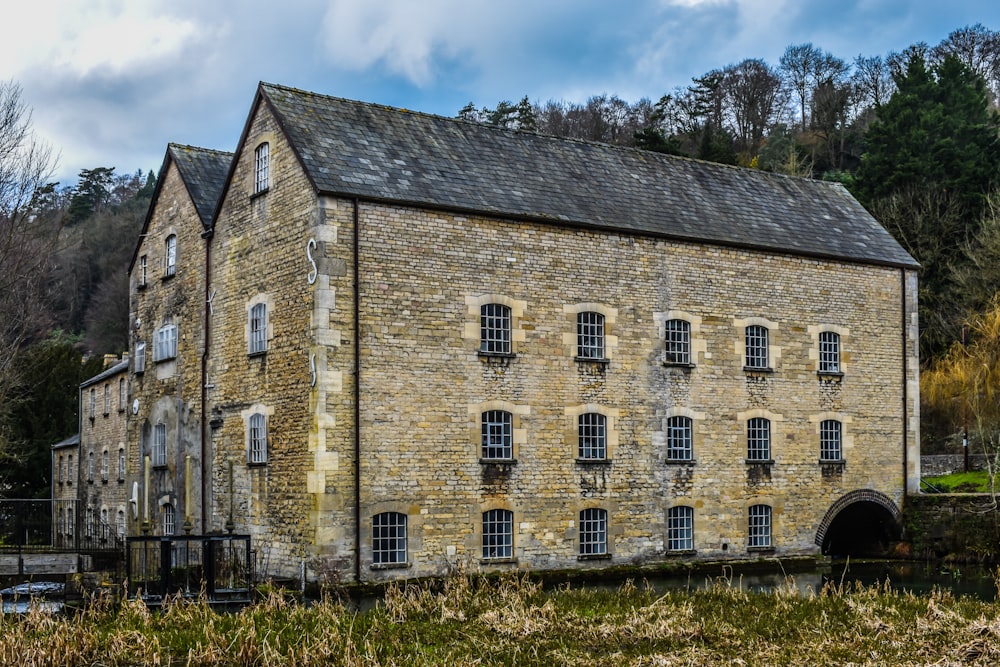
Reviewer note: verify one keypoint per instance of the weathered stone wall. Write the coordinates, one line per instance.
(100, 484)
(423, 387)
(957, 526)
(167, 391)
(259, 256)
(945, 464)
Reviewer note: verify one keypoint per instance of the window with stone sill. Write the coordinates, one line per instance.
(495, 324)
(677, 343)
(143, 272)
(170, 256)
(679, 439)
(107, 399)
(257, 439)
(829, 353)
(122, 394)
(105, 466)
(757, 348)
(594, 532)
(497, 436)
(759, 527)
(758, 440)
(590, 338)
(139, 364)
(93, 404)
(592, 437)
(165, 344)
(257, 343)
(159, 448)
(830, 441)
(121, 464)
(262, 167)
(498, 534)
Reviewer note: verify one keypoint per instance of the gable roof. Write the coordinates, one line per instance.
(380, 153)
(119, 367)
(203, 172)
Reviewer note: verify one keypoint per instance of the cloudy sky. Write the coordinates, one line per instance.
(112, 81)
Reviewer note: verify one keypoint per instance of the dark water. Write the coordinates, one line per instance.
(918, 578)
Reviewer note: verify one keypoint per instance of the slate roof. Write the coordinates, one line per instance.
(113, 370)
(204, 173)
(380, 153)
(71, 441)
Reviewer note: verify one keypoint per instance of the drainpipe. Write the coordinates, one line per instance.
(357, 397)
(207, 235)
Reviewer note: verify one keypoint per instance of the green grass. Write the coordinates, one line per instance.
(468, 620)
(958, 482)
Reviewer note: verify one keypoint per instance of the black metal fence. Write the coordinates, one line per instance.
(56, 525)
(220, 567)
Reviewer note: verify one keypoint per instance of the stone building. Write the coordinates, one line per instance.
(423, 342)
(89, 469)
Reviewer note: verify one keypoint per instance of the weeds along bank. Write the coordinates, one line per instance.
(512, 621)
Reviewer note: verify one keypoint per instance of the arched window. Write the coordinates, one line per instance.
(257, 438)
(593, 436)
(262, 166)
(170, 255)
(389, 538)
(677, 335)
(830, 441)
(829, 352)
(257, 342)
(590, 335)
(498, 534)
(495, 327)
(593, 532)
(680, 528)
(756, 346)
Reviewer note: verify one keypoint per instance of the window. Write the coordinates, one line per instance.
(829, 352)
(93, 403)
(61, 522)
(756, 346)
(258, 329)
(105, 465)
(678, 342)
(104, 524)
(679, 447)
(593, 440)
(257, 439)
(758, 439)
(139, 365)
(159, 454)
(498, 534)
(122, 394)
(61, 472)
(498, 435)
(121, 464)
(170, 256)
(389, 538)
(590, 335)
(830, 440)
(495, 324)
(165, 346)
(121, 523)
(168, 519)
(142, 271)
(89, 524)
(680, 529)
(107, 399)
(90, 467)
(70, 473)
(261, 167)
(593, 532)
(759, 530)
(70, 521)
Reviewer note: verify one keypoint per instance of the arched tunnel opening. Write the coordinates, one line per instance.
(863, 528)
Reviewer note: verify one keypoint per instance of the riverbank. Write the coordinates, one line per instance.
(512, 620)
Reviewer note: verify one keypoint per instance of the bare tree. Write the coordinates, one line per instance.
(979, 48)
(797, 63)
(25, 167)
(754, 99)
(872, 81)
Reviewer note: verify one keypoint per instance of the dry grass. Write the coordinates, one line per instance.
(468, 620)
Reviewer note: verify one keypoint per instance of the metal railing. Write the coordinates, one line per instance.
(54, 526)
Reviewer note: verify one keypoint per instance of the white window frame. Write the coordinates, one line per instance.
(168, 519)
(257, 439)
(677, 341)
(680, 438)
(107, 399)
(262, 167)
(592, 437)
(158, 454)
(495, 327)
(759, 527)
(680, 528)
(757, 340)
(165, 345)
(257, 329)
(139, 365)
(829, 352)
(122, 394)
(759, 440)
(389, 539)
(594, 532)
(143, 274)
(498, 534)
(590, 335)
(831, 440)
(170, 255)
(93, 403)
(497, 435)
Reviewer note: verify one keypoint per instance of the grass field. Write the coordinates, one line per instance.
(512, 621)
(977, 481)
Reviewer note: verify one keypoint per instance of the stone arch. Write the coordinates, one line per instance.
(858, 496)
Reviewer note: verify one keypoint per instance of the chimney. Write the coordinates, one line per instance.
(110, 360)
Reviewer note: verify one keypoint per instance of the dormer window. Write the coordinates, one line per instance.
(261, 168)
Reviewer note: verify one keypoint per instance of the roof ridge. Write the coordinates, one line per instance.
(175, 145)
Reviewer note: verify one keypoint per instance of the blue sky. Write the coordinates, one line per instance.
(112, 81)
